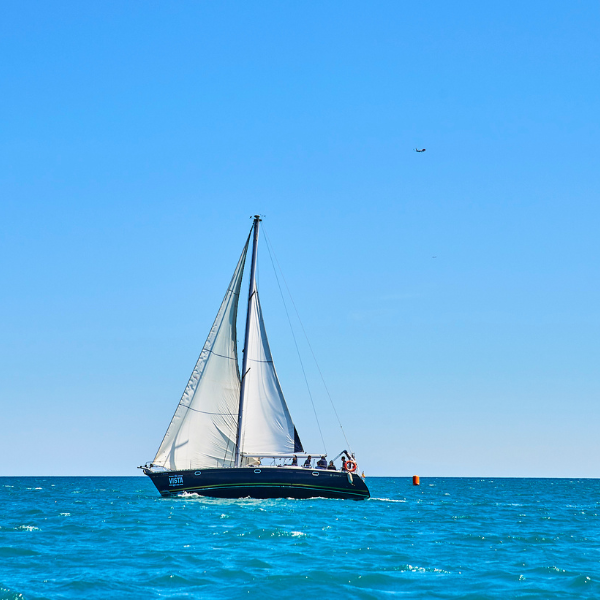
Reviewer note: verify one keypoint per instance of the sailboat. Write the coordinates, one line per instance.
(232, 435)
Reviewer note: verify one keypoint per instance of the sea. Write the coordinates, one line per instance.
(116, 538)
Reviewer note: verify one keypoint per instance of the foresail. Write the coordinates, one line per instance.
(203, 430)
(267, 426)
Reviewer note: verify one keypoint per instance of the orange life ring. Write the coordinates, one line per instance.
(351, 466)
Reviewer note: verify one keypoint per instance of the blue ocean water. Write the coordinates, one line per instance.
(114, 537)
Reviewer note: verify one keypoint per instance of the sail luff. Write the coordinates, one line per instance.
(251, 298)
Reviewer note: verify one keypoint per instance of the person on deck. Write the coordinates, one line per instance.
(343, 463)
(308, 462)
(294, 461)
(331, 466)
(322, 463)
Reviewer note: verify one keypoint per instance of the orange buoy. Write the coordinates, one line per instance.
(416, 480)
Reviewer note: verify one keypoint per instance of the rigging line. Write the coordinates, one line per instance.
(205, 412)
(219, 355)
(296, 344)
(308, 341)
(257, 274)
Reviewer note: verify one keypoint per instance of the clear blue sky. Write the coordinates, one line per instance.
(137, 138)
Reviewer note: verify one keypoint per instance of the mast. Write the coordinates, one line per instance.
(251, 292)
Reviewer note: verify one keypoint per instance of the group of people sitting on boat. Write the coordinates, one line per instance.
(321, 463)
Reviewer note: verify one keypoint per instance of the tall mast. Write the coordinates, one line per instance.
(251, 293)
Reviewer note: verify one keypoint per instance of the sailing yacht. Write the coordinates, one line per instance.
(227, 427)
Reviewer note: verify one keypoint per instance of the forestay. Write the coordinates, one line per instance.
(203, 430)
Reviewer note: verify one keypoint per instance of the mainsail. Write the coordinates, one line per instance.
(203, 430)
(266, 425)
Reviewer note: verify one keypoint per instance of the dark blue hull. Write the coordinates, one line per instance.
(263, 482)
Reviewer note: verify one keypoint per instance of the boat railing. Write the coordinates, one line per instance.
(282, 460)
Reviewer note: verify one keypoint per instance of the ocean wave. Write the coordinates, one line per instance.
(9, 551)
(6, 594)
(386, 500)
(583, 581)
(128, 542)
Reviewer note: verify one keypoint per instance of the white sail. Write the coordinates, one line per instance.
(266, 426)
(203, 430)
